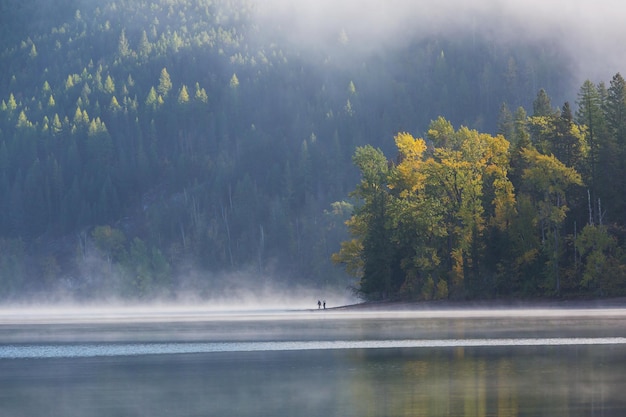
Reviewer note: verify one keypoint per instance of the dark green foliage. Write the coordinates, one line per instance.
(503, 223)
(183, 125)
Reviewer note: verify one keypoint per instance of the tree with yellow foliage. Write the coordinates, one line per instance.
(423, 219)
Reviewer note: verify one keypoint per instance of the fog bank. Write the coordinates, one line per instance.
(591, 33)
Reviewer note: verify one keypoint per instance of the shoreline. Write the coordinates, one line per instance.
(618, 302)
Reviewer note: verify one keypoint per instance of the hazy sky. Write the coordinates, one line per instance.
(592, 32)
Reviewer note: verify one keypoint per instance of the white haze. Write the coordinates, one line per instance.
(591, 33)
(298, 310)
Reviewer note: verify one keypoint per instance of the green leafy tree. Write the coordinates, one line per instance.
(110, 242)
(369, 224)
(426, 217)
(602, 275)
(548, 180)
(467, 179)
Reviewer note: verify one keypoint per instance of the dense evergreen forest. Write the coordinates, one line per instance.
(153, 149)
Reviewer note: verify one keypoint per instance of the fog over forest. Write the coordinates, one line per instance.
(591, 33)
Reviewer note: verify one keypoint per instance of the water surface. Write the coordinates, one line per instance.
(197, 362)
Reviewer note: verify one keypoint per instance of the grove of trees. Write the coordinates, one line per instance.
(534, 211)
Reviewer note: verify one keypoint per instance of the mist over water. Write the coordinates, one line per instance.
(198, 360)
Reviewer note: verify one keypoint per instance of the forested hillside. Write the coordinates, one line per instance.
(157, 148)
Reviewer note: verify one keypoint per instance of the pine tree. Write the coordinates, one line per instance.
(542, 105)
(590, 115)
(57, 127)
(234, 82)
(152, 99)
(22, 121)
(123, 47)
(11, 104)
(201, 94)
(114, 105)
(183, 95)
(506, 126)
(144, 46)
(165, 83)
(109, 85)
(615, 111)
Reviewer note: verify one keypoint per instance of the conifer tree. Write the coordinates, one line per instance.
(590, 115)
(57, 127)
(615, 112)
(144, 46)
(152, 99)
(165, 83)
(506, 126)
(109, 85)
(200, 94)
(616, 109)
(183, 95)
(114, 105)
(234, 82)
(542, 105)
(123, 48)
(11, 104)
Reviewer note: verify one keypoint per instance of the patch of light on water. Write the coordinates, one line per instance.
(136, 349)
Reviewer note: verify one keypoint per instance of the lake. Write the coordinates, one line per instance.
(187, 361)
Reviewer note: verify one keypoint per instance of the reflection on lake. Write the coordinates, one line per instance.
(332, 363)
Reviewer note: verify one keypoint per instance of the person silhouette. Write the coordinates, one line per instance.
(319, 304)
(324, 304)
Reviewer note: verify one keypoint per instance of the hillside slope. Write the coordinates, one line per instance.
(151, 147)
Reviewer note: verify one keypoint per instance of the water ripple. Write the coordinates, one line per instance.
(36, 351)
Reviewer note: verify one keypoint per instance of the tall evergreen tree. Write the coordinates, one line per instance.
(590, 114)
(542, 106)
(165, 83)
(616, 126)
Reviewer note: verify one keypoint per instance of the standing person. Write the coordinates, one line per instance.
(324, 304)
(319, 304)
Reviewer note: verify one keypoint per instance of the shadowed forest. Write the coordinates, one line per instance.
(175, 147)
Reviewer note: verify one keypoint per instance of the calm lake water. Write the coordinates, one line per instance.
(195, 362)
